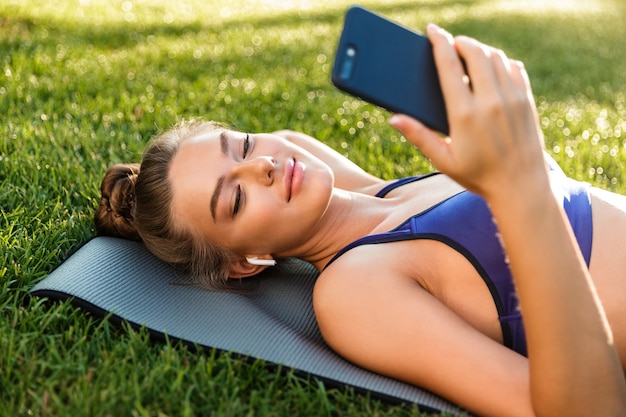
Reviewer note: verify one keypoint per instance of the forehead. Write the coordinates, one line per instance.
(192, 173)
(197, 146)
(196, 154)
(204, 136)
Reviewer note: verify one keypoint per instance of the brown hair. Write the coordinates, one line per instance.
(114, 216)
(136, 204)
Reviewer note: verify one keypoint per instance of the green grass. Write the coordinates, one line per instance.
(84, 84)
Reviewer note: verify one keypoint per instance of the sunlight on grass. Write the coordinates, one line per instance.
(208, 12)
(552, 6)
(587, 139)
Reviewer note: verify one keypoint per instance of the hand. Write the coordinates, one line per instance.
(495, 141)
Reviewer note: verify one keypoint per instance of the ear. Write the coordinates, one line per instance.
(246, 267)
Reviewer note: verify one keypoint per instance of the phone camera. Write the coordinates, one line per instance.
(347, 65)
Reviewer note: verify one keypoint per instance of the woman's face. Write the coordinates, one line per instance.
(252, 193)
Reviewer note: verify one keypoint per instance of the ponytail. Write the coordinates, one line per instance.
(115, 213)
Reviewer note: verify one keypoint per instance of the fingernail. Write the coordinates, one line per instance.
(437, 29)
(433, 28)
(394, 120)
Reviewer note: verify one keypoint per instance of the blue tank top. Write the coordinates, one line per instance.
(464, 223)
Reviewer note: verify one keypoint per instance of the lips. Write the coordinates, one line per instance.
(294, 172)
(289, 178)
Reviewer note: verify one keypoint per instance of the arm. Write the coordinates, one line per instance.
(348, 175)
(495, 150)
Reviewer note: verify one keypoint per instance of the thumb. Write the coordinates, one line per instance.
(427, 140)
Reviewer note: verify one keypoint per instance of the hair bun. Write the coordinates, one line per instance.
(114, 216)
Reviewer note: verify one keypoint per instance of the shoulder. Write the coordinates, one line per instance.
(365, 276)
(377, 317)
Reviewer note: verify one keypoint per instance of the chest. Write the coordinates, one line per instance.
(416, 197)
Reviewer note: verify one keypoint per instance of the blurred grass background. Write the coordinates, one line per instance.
(86, 83)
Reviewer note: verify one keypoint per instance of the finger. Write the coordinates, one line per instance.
(520, 78)
(522, 81)
(518, 74)
(520, 84)
(477, 58)
(450, 70)
(503, 70)
(425, 139)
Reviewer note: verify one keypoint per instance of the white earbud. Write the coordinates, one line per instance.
(261, 262)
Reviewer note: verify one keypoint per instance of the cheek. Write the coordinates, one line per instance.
(258, 223)
(273, 224)
(263, 219)
(318, 195)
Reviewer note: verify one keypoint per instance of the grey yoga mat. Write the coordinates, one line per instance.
(276, 323)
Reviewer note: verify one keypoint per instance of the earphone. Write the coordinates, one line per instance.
(261, 262)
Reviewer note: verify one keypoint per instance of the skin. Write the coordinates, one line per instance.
(417, 310)
(254, 166)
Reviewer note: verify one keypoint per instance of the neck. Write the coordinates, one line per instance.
(349, 216)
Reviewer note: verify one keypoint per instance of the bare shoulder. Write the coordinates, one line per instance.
(374, 316)
(609, 235)
(608, 260)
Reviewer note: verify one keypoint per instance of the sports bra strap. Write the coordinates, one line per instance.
(399, 183)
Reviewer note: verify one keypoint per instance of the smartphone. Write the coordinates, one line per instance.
(390, 66)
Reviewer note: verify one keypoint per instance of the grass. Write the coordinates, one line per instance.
(84, 84)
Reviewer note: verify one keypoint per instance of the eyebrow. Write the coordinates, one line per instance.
(224, 136)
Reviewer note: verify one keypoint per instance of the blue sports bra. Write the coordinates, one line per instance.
(464, 222)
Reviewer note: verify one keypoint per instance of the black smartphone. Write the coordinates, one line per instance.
(389, 65)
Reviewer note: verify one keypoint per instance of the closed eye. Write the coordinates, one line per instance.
(246, 145)
(237, 204)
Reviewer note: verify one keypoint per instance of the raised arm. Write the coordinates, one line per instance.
(348, 175)
(495, 150)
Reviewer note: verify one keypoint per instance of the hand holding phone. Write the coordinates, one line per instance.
(391, 66)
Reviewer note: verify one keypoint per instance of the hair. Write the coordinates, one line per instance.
(114, 216)
(136, 204)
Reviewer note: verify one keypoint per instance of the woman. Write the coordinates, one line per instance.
(436, 305)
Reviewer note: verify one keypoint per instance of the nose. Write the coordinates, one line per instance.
(260, 168)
